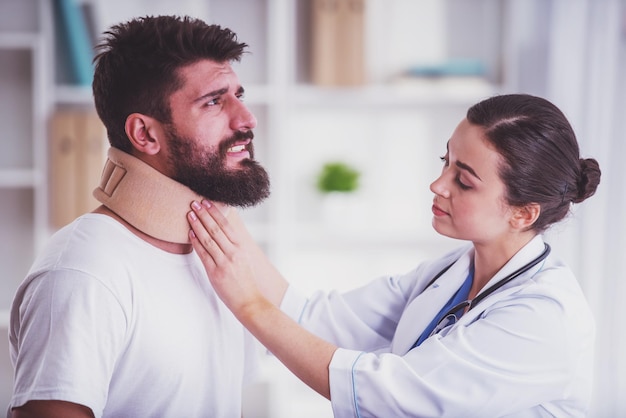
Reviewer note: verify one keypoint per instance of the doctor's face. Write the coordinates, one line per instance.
(469, 201)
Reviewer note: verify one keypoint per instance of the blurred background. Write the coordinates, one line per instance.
(355, 100)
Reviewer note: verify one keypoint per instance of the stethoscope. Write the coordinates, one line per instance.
(450, 317)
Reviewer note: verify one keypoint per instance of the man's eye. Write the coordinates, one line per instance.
(241, 97)
(212, 102)
(444, 160)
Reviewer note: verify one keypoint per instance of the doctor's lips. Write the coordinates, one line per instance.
(437, 211)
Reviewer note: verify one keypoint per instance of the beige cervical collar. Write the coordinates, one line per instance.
(148, 200)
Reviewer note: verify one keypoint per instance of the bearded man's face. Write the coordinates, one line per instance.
(205, 171)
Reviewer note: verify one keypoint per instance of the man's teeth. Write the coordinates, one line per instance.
(237, 148)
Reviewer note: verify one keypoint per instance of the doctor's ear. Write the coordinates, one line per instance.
(525, 216)
(144, 133)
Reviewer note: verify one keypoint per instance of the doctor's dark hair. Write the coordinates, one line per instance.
(137, 63)
(541, 158)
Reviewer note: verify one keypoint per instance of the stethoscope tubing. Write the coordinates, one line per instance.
(481, 296)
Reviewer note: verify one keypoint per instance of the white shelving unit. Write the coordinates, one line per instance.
(24, 104)
(393, 132)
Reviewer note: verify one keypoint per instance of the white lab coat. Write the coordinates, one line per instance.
(524, 351)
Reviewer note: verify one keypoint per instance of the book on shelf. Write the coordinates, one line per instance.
(74, 41)
(453, 67)
(338, 42)
(76, 157)
(461, 78)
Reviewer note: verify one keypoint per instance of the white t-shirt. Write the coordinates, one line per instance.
(106, 320)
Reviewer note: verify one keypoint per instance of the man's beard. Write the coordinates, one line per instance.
(205, 171)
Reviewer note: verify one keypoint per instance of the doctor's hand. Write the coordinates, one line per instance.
(224, 257)
(231, 259)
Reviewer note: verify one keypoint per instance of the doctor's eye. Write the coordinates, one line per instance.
(444, 159)
(462, 185)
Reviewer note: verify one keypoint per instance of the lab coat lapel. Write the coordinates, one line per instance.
(423, 308)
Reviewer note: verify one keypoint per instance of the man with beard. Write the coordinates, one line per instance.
(116, 317)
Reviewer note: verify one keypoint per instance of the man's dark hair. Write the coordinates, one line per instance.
(137, 63)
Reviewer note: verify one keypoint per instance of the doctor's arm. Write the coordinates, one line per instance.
(233, 267)
(270, 281)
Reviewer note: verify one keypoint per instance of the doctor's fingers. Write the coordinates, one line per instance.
(201, 240)
(209, 231)
(221, 221)
(201, 248)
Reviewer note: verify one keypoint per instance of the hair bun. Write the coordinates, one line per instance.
(588, 180)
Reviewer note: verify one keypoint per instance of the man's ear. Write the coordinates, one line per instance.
(144, 133)
(525, 216)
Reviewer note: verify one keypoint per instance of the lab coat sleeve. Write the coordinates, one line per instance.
(366, 318)
(362, 319)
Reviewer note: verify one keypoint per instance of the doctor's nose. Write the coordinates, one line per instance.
(440, 186)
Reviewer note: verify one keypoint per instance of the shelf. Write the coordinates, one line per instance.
(409, 92)
(73, 95)
(17, 178)
(256, 94)
(19, 40)
(405, 92)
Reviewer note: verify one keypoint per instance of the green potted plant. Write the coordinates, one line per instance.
(338, 182)
(337, 176)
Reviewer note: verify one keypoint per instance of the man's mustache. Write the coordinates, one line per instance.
(237, 137)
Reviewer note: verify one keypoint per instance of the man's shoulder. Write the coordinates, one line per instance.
(90, 240)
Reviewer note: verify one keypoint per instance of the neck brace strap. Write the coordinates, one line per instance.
(148, 200)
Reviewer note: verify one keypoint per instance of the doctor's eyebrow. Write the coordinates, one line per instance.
(466, 167)
(462, 165)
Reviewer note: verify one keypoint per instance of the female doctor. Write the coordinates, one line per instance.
(498, 327)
